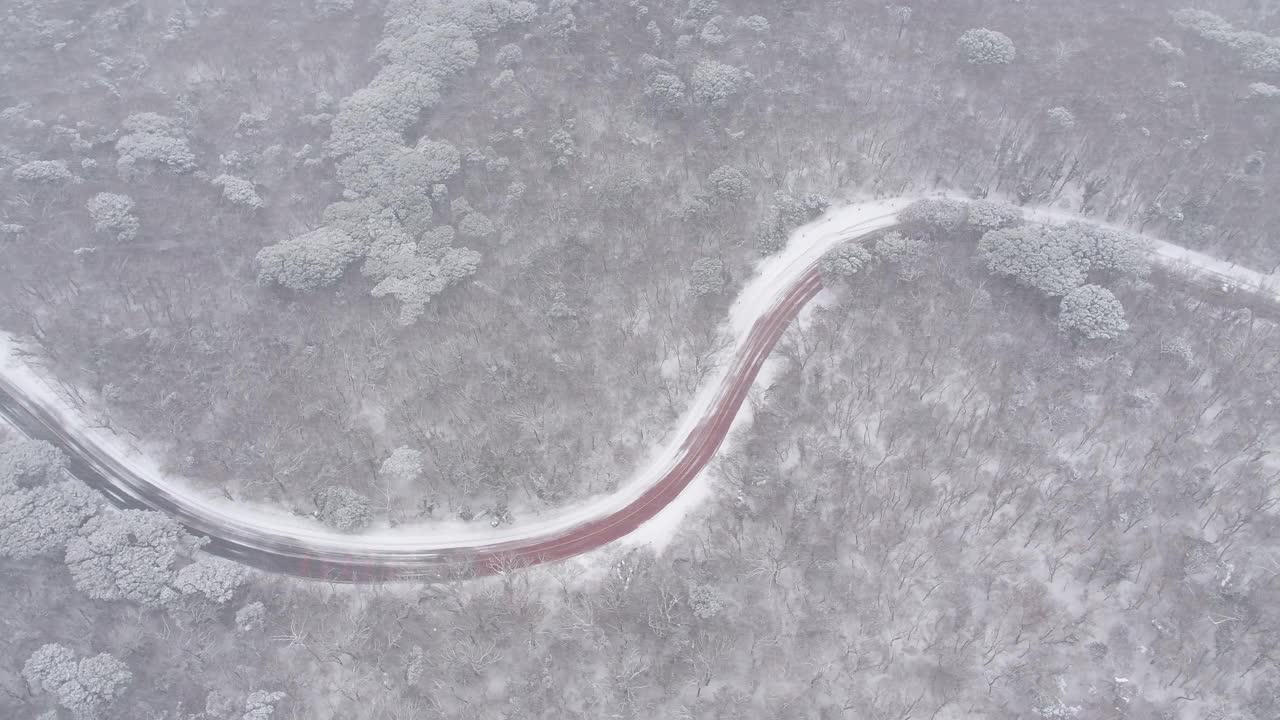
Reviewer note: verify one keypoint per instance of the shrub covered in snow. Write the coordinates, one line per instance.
(987, 215)
(45, 172)
(707, 277)
(934, 216)
(1038, 256)
(901, 252)
(981, 46)
(845, 261)
(1093, 312)
(344, 509)
(153, 140)
(84, 686)
(113, 213)
(715, 83)
(729, 183)
(308, 262)
(239, 191)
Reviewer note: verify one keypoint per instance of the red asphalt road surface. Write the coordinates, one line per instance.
(276, 551)
(696, 452)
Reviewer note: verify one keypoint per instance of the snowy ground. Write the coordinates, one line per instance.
(774, 275)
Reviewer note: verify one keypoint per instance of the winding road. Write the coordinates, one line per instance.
(767, 307)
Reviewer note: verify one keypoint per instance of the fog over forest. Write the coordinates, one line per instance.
(644, 359)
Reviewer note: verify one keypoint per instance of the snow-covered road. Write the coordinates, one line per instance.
(647, 508)
(1205, 269)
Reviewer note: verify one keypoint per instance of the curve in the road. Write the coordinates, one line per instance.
(331, 556)
(280, 552)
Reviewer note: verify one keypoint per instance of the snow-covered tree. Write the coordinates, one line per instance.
(361, 219)
(786, 214)
(1093, 312)
(771, 236)
(153, 140)
(113, 213)
(707, 277)
(509, 56)
(1254, 51)
(712, 32)
(701, 10)
(127, 555)
(219, 706)
(402, 91)
(694, 209)
(1055, 259)
(343, 509)
(424, 47)
(666, 91)
(812, 206)
(901, 252)
(396, 176)
(27, 463)
(755, 23)
(706, 601)
(214, 578)
(993, 215)
(85, 686)
(251, 123)
(251, 617)
(981, 46)
(308, 262)
(1110, 250)
(1038, 256)
(1258, 53)
(424, 276)
(39, 521)
(845, 261)
(476, 226)
(442, 50)
(793, 211)
(729, 183)
(1263, 91)
(402, 468)
(563, 145)
(1205, 24)
(379, 114)
(459, 207)
(51, 666)
(715, 83)
(934, 217)
(238, 191)
(392, 250)
(260, 705)
(45, 172)
(1061, 118)
(1180, 351)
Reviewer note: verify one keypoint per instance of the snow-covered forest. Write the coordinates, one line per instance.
(468, 262)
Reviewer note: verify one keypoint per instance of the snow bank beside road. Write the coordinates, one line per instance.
(264, 527)
(245, 520)
(773, 276)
